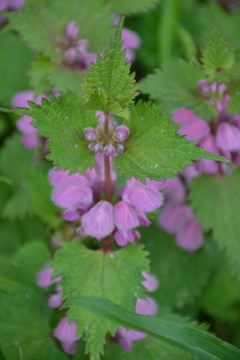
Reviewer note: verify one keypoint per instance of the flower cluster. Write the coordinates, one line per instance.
(30, 138)
(221, 136)
(75, 52)
(80, 196)
(177, 217)
(65, 332)
(114, 142)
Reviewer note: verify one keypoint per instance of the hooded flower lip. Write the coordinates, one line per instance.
(125, 216)
(143, 197)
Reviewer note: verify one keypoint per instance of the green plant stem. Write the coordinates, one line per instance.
(166, 29)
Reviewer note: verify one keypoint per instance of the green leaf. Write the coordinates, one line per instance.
(187, 273)
(216, 201)
(26, 263)
(148, 348)
(112, 275)
(108, 85)
(175, 85)
(154, 149)
(39, 192)
(63, 122)
(14, 63)
(193, 341)
(127, 7)
(24, 328)
(39, 70)
(42, 24)
(234, 92)
(218, 53)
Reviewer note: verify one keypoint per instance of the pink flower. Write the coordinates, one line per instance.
(98, 222)
(66, 333)
(131, 41)
(172, 219)
(228, 137)
(190, 237)
(143, 197)
(44, 278)
(205, 165)
(125, 235)
(125, 216)
(30, 139)
(174, 192)
(151, 283)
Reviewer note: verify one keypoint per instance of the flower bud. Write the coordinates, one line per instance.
(71, 30)
(91, 146)
(98, 148)
(122, 132)
(89, 133)
(204, 86)
(109, 150)
(70, 55)
(119, 149)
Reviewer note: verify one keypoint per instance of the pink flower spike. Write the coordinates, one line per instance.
(122, 132)
(144, 198)
(146, 307)
(73, 194)
(44, 278)
(228, 137)
(151, 283)
(66, 331)
(173, 219)
(190, 237)
(125, 216)
(98, 222)
(72, 30)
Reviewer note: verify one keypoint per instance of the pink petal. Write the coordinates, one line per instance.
(173, 219)
(123, 236)
(174, 192)
(71, 214)
(69, 347)
(54, 301)
(205, 165)
(61, 178)
(98, 222)
(125, 216)
(195, 130)
(20, 99)
(143, 198)
(184, 116)
(151, 283)
(228, 137)
(130, 39)
(143, 220)
(25, 126)
(30, 141)
(66, 331)
(190, 237)
(44, 278)
(146, 307)
(73, 194)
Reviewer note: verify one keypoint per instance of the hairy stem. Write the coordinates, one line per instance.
(107, 170)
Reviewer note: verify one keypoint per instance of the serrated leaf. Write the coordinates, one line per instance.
(216, 202)
(176, 85)
(205, 346)
(42, 24)
(108, 85)
(13, 68)
(24, 328)
(218, 52)
(62, 122)
(154, 149)
(39, 192)
(187, 273)
(113, 276)
(128, 7)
